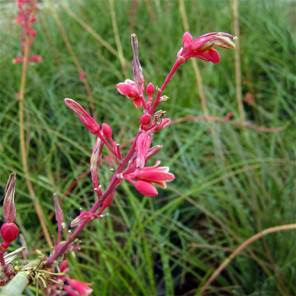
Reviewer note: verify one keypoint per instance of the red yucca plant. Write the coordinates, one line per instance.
(132, 167)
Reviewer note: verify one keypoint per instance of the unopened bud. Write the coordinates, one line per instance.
(9, 210)
(85, 118)
(107, 130)
(150, 89)
(36, 58)
(145, 119)
(9, 232)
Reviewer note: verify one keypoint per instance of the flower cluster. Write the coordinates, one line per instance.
(133, 167)
(26, 19)
(202, 47)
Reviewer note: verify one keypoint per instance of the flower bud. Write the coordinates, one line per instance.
(107, 130)
(35, 58)
(9, 210)
(17, 60)
(9, 232)
(85, 118)
(150, 89)
(145, 119)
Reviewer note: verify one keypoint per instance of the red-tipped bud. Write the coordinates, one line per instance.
(17, 60)
(150, 89)
(35, 58)
(145, 119)
(33, 33)
(9, 232)
(107, 130)
(9, 210)
(85, 118)
(82, 76)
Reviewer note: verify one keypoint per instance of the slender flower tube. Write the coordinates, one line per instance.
(77, 288)
(85, 118)
(148, 175)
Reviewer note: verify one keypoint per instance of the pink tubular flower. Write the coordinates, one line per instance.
(145, 188)
(143, 144)
(85, 118)
(129, 88)
(149, 175)
(77, 288)
(202, 46)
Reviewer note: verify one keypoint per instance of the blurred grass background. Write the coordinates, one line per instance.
(231, 182)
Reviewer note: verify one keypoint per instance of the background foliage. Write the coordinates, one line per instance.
(231, 182)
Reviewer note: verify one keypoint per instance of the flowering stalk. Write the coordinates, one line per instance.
(132, 167)
(26, 19)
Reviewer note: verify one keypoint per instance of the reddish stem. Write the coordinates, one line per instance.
(113, 182)
(166, 81)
